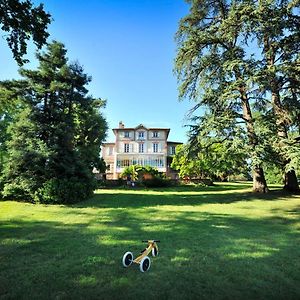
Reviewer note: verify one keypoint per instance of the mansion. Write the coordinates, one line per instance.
(139, 146)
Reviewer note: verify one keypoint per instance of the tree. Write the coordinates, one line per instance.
(213, 70)
(24, 170)
(191, 167)
(21, 20)
(212, 158)
(62, 129)
(10, 107)
(132, 172)
(137, 172)
(275, 25)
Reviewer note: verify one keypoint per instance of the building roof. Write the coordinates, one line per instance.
(141, 126)
(122, 127)
(178, 143)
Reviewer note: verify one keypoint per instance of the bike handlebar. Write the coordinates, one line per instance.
(156, 241)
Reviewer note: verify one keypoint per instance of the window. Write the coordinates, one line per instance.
(155, 147)
(141, 134)
(155, 134)
(126, 148)
(125, 163)
(126, 134)
(109, 150)
(141, 148)
(172, 150)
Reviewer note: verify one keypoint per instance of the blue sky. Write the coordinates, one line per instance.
(128, 48)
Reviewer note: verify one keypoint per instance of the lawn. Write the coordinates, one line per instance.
(220, 242)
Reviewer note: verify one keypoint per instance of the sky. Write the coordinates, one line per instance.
(128, 47)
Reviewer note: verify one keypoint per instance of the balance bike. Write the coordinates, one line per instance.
(143, 260)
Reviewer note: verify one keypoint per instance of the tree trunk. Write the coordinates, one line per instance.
(290, 178)
(281, 116)
(259, 181)
(290, 181)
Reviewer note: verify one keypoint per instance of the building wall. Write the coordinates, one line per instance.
(127, 149)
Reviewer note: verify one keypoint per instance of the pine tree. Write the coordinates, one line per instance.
(276, 27)
(214, 71)
(66, 124)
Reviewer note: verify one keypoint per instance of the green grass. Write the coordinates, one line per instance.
(218, 242)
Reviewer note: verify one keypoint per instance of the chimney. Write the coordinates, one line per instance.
(121, 125)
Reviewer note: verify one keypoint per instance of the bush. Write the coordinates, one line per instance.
(19, 189)
(110, 183)
(64, 191)
(273, 174)
(203, 182)
(156, 182)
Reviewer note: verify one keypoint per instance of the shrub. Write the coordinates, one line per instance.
(110, 183)
(19, 189)
(273, 174)
(156, 182)
(64, 191)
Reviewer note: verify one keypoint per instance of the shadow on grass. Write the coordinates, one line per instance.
(178, 197)
(202, 255)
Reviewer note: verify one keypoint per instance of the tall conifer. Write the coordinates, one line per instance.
(214, 71)
(55, 143)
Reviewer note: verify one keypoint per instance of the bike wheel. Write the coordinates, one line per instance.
(145, 264)
(154, 251)
(127, 259)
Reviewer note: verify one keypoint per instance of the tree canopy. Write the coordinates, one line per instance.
(55, 140)
(22, 21)
(218, 69)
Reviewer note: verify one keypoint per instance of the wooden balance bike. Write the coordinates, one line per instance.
(143, 259)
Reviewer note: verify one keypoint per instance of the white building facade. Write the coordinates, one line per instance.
(139, 146)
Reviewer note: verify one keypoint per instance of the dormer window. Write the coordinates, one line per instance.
(126, 134)
(141, 134)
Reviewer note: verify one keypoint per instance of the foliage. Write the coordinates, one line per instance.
(10, 106)
(187, 166)
(212, 157)
(156, 182)
(218, 69)
(132, 172)
(214, 70)
(151, 171)
(24, 168)
(275, 26)
(139, 173)
(65, 190)
(273, 174)
(55, 142)
(22, 21)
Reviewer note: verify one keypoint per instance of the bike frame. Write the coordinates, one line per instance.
(151, 244)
